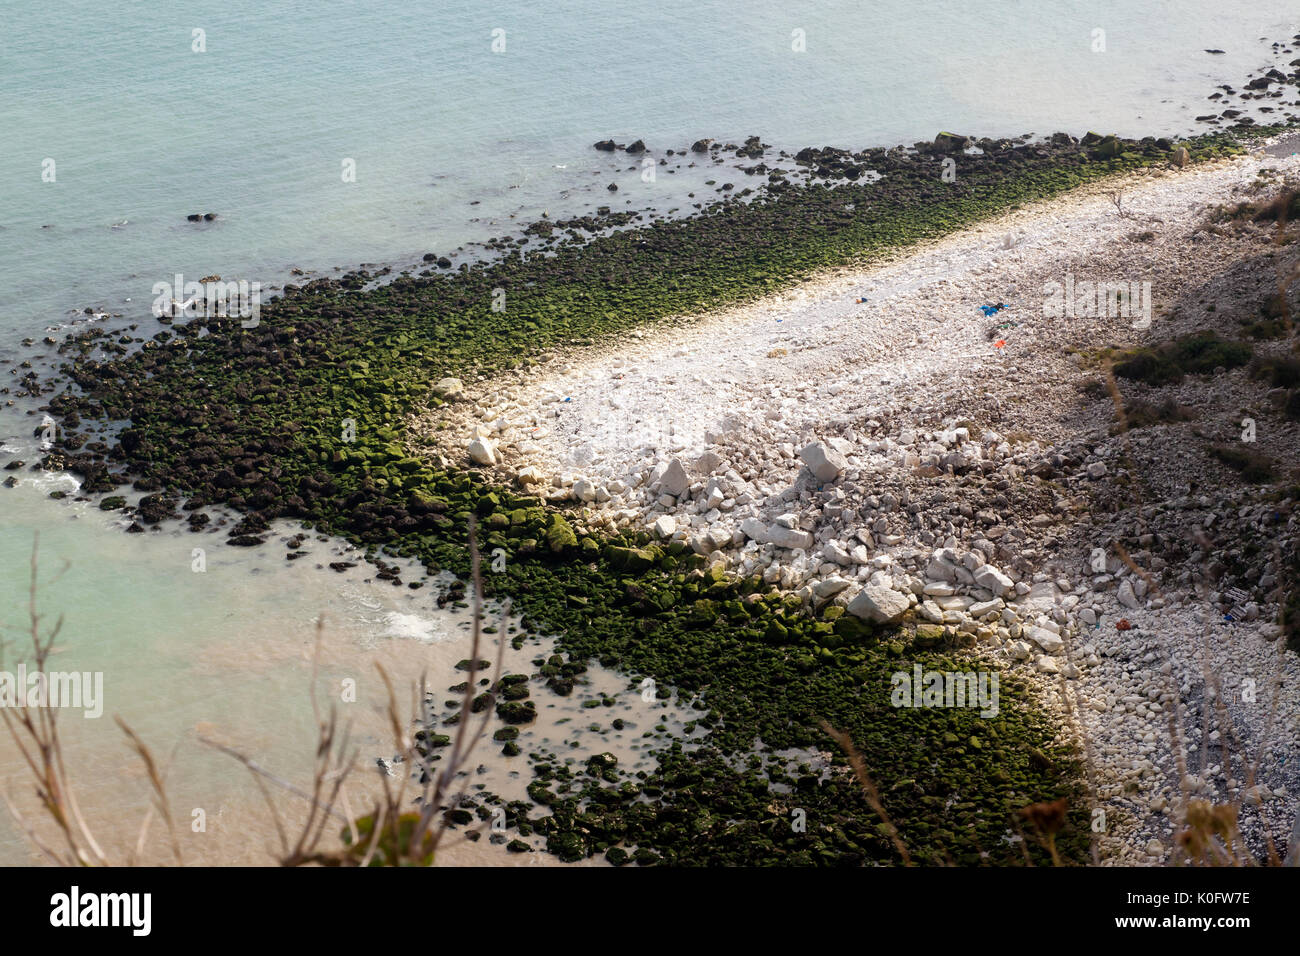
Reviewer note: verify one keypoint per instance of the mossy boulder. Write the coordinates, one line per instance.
(1108, 148)
(947, 142)
(928, 635)
(517, 712)
(632, 560)
(852, 629)
(559, 534)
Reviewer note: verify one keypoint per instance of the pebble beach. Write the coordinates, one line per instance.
(910, 455)
(826, 505)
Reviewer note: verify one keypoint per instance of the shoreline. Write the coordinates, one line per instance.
(616, 392)
(436, 505)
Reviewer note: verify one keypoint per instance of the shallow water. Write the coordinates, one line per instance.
(452, 144)
(143, 130)
(228, 653)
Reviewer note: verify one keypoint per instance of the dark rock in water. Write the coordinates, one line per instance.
(701, 145)
(135, 528)
(1090, 138)
(1214, 51)
(612, 187)
(561, 685)
(10, 481)
(251, 524)
(606, 146)
(753, 148)
(209, 216)
(951, 143)
(246, 540)
(1259, 83)
(430, 257)
(155, 508)
(515, 712)
(194, 217)
(14, 465)
(444, 262)
(1108, 148)
(341, 566)
(1062, 139)
(637, 147)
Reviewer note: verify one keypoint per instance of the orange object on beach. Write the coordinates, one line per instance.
(1123, 625)
(999, 343)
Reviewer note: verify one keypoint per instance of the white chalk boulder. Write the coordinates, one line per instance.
(1049, 642)
(825, 463)
(674, 480)
(879, 605)
(482, 452)
(990, 578)
(784, 537)
(451, 389)
(665, 526)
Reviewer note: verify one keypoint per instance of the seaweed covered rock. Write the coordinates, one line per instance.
(559, 534)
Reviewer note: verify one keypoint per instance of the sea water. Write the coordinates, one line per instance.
(327, 135)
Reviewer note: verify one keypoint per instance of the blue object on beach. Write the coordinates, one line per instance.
(568, 398)
(993, 309)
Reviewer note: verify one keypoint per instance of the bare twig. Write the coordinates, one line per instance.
(868, 787)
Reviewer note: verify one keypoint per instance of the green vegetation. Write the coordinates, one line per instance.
(1195, 354)
(254, 419)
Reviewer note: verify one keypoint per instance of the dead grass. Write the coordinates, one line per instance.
(1253, 467)
(389, 834)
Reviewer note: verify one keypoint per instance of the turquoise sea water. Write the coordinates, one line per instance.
(450, 140)
(143, 130)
